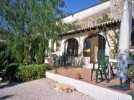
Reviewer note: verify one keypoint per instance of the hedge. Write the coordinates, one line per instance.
(26, 72)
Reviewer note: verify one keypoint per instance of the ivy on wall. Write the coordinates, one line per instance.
(114, 39)
(104, 18)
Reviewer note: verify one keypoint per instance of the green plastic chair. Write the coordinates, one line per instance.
(56, 60)
(64, 59)
(102, 66)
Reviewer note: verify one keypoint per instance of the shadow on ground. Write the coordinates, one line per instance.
(5, 97)
(8, 84)
(124, 87)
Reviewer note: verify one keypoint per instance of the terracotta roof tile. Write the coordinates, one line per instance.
(90, 27)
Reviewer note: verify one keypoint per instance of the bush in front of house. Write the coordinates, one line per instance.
(11, 69)
(29, 72)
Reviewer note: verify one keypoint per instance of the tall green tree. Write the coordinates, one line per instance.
(32, 23)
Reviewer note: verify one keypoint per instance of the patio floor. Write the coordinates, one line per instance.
(70, 71)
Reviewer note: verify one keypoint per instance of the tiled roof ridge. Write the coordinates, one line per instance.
(90, 27)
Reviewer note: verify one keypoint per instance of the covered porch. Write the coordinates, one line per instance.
(82, 45)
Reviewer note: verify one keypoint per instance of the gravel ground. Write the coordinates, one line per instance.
(42, 89)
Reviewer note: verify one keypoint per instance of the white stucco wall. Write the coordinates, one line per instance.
(87, 12)
(79, 37)
(80, 60)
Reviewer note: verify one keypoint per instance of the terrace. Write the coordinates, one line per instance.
(102, 90)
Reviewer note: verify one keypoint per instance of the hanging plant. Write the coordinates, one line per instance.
(90, 34)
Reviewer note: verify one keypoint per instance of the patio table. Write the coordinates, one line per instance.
(110, 67)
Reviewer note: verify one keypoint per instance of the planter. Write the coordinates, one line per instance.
(56, 71)
(78, 76)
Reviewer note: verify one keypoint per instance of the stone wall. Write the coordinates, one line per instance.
(93, 19)
(114, 12)
(116, 7)
(112, 40)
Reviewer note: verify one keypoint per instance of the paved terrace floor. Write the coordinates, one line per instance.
(71, 72)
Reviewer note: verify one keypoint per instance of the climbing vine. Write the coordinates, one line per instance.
(114, 39)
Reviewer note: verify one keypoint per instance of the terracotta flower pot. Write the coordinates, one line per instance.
(78, 76)
(132, 87)
(55, 71)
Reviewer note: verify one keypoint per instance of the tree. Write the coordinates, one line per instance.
(32, 23)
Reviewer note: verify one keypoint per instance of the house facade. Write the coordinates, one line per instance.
(99, 30)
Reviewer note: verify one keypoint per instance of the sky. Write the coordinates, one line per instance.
(73, 6)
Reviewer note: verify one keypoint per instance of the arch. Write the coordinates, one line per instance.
(86, 47)
(101, 42)
(71, 47)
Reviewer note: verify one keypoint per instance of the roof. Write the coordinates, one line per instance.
(86, 12)
(91, 27)
(85, 9)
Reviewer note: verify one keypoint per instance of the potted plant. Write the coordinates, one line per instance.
(131, 55)
(78, 76)
(130, 75)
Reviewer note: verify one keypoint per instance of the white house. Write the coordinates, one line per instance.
(99, 31)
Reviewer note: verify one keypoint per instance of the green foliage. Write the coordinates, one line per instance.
(115, 40)
(130, 72)
(30, 25)
(68, 27)
(17, 72)
(103, 19)
(4, 58)
(11, 70)
(131, 55)
(40, 57)
(17, 49)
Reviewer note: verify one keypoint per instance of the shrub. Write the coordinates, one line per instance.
(39, 58)
(11, 70)
(131, 55)
(30, 72)
(130, 72)
(21, 72)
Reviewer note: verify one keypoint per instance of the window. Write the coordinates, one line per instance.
(86, 50)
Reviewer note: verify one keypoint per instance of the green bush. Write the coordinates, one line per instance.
(11, 70)
(17, 72)
(130, 73)
(30, 72)
(131, 55)
(39, 58)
